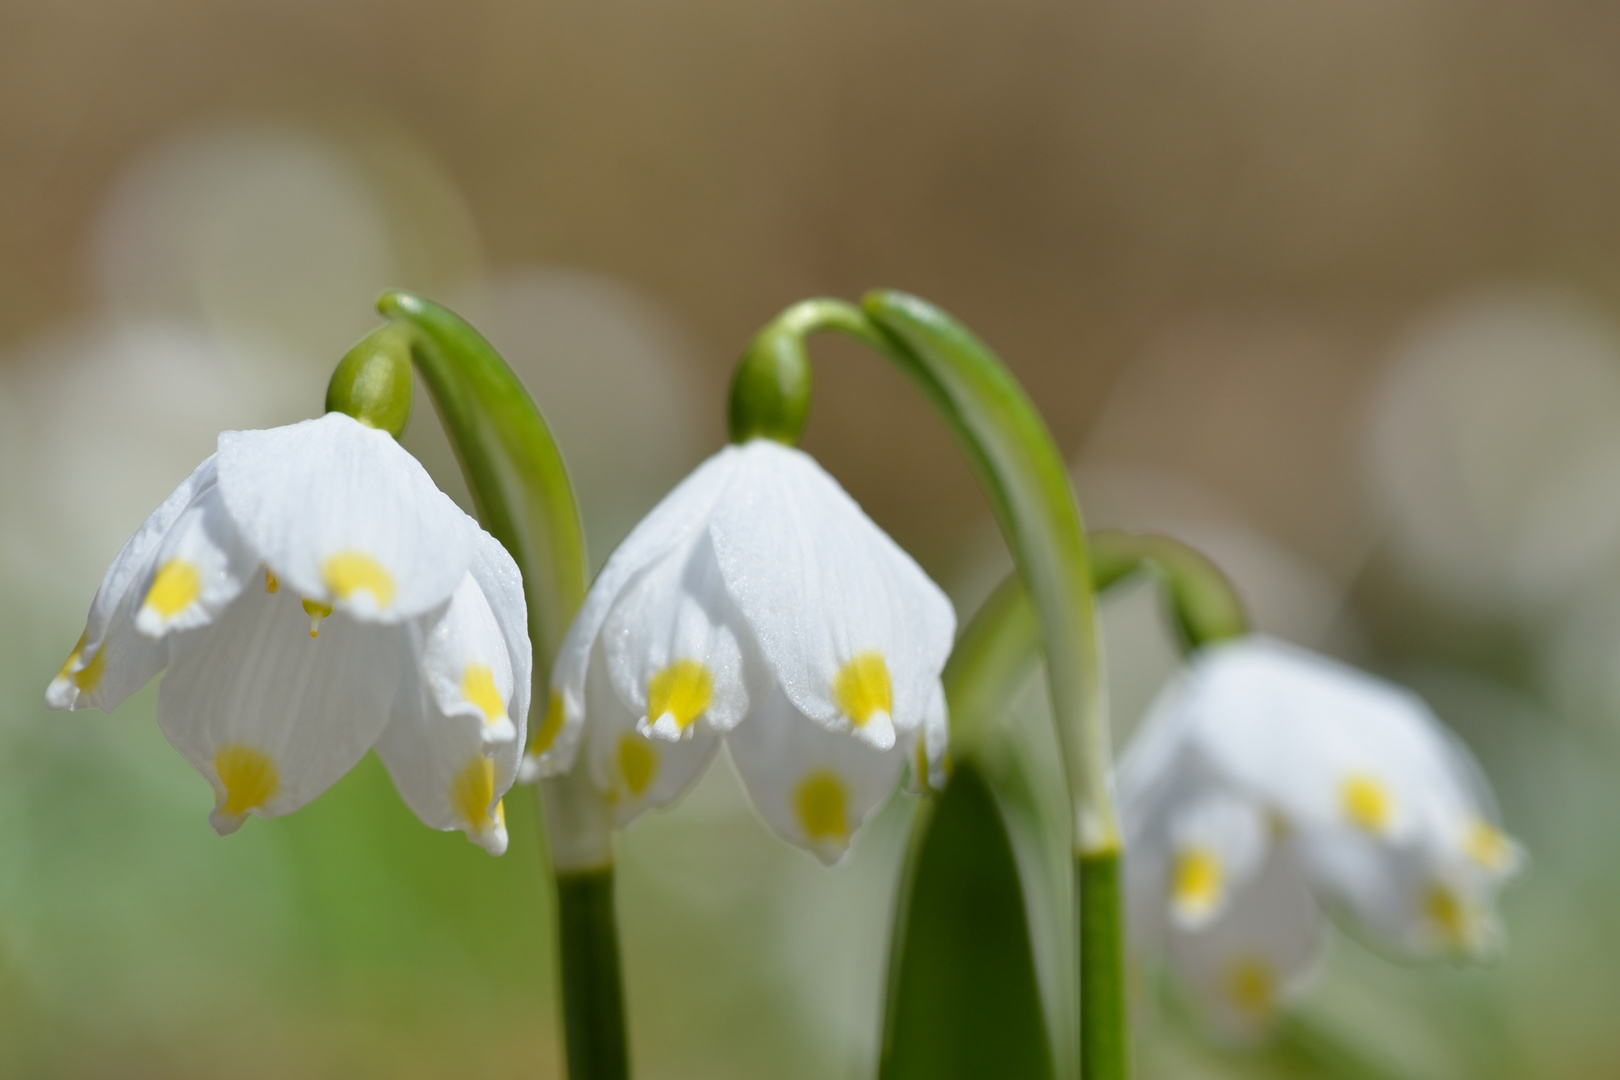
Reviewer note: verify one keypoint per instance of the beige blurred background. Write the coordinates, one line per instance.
(1330, 289)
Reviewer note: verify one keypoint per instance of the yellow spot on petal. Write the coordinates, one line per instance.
(821, 803)
(862, 688)
(638, 763)
(1488, 846)
(88, 677)
(1366, 802)
(478, 687)
(1196, 880)
(175, 588)
(1251, 987)
(349, 572)
(550, 726)
(73, 657)
(472, 790)
(248, 776)
(316, 612)
(271, 582)
(682, 690)
(1452, 916)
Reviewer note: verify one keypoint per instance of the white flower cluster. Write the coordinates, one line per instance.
(1267, 783)
(314, 595)
(757, 604)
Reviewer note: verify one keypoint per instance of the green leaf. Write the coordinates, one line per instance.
(963, 996)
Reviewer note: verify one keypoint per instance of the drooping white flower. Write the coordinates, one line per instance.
(756, 602)
(1268, 783)
(313, 595)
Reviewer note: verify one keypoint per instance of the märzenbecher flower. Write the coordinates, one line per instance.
(313, 595)
(1269, 782)
(756, 602)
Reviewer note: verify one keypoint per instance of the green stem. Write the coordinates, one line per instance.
(523, 496)
(1203, 605)
(594, 1019)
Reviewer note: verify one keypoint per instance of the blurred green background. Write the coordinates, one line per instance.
(1331, 291)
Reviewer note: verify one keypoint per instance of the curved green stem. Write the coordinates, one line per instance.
(523, 496)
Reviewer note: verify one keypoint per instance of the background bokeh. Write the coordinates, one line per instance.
(1331, 290)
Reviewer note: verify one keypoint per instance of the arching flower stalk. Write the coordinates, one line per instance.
(757, 605)
(1269, 784)
(313, 595)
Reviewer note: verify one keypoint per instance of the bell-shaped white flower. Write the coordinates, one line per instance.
(313, 595)
(756, 602)
(1268, 782)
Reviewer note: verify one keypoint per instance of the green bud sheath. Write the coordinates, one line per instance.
(372, 382)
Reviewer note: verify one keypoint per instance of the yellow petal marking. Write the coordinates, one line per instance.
(349, 572)
(821, 803)
(638, 763)
(1451, 914)
(271, 582)
(73, 657)
(472, 790)
(1196, 880)
(316, 612)
(682, 690)
(478, 687)
(175, 588)
(1488, 846)
(862, 688)
(248, 776)
(88, 677)
(1251, 987)
(550, 726)
(1366, 802)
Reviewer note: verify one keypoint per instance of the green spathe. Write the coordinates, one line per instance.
(372, 383)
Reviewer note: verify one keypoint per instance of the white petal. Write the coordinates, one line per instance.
(847, 621)
(467, 666)
(1328, 745)
(1259, 955)
(345, 516)
(673, 522)
(1217, 842)
(269, 715)
(634, 772)
(677, 651)
(111, 661)
(813, 786)
(500, 580)
(200, 568)
(929, 755)
(445, 770)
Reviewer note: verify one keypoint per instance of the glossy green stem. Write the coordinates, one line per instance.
(592, 990)
(523, 496)
(1203, 605)
(1099, 909)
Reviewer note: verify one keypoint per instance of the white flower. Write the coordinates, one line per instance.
(313, 595)
(1268, 782)
(755, 602)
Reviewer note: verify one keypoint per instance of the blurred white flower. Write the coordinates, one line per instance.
(1268, 781)
(313, 595)
(755, 602)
